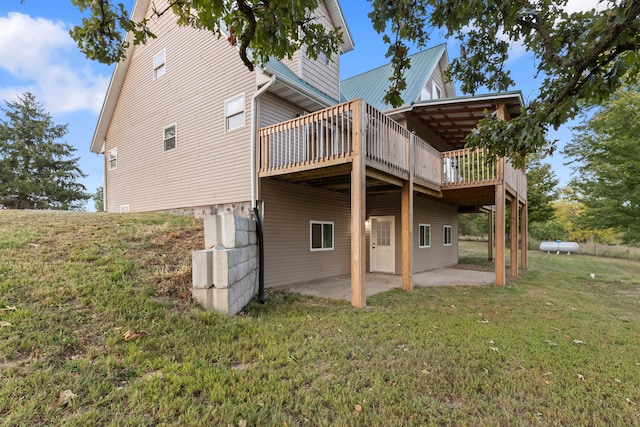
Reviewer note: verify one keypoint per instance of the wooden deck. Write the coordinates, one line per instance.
(325, 139)
(356, 149)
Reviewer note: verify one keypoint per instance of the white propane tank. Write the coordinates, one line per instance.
(559, 246)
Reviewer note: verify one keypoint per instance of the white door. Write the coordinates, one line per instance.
(383, 254)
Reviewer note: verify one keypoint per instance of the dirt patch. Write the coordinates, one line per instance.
(168, 260)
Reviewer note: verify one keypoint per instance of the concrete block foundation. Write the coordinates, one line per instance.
(225, 275)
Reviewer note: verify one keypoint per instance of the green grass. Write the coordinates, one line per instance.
(480, 356)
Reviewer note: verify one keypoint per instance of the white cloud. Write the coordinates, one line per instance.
(41, 57)
(585, 5)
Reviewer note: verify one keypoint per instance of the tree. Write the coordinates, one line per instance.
(36, 171)
(98, 199)
(582, 56)
(541, 189)
(606, 156)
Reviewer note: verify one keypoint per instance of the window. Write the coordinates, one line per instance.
(125, 208)
(321, 235)
(169, 136)
(159, 67)
(425, 236)
(448, 236)
(113, 158)
(234, 113)
(436, 92)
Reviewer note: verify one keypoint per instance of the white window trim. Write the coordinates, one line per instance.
(243, 112)
(436, 92)
(162, 64)
(333, 242)
(115, 157)
(444, 235)
(125, 208)
(175, 136)
(428, 226)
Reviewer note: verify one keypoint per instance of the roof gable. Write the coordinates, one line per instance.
(372, 84)
(139, 11)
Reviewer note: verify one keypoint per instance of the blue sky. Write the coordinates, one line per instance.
(37, 55)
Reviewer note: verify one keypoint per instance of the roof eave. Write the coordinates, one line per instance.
(115, 85)
(338, 18)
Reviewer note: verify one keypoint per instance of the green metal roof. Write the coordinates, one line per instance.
(283, 72)
(372, 85)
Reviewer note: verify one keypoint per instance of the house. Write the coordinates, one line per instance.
(346, 184)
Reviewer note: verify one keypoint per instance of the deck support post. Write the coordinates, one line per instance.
(358, 212)
(407, 223)
(490, 214)
(500, 235)
(524, 237)
(513, 263)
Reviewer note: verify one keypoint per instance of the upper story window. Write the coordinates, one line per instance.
(436, 93)
(159, 64)
(234, 113)
(169, 137)
(113, 158)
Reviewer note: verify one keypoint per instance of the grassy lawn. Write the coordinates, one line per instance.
(97, 328)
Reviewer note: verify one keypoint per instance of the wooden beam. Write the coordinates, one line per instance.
(407, 225)
(490, 235)
(384, 177)
(524, 237)
(358, 204)
(500, 236)
(514, 236)
(502, 112)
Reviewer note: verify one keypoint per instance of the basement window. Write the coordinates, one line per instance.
(448, 235)
(425, 236)
(321, 236)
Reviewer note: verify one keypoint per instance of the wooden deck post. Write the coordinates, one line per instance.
(500, 226)
(490, 214)
(514, 236)
(407, 222)
(358, 213)
(524, 237)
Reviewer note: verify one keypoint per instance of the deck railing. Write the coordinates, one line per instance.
(327, 137)
(467, 166)
(386, 142)
(313, 139)
(427, 162)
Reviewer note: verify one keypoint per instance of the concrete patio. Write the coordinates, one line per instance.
(339, 287)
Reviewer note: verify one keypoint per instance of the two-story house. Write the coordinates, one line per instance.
(345, 183)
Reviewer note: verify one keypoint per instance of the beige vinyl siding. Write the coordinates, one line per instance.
(209, 165)
(293, 63)
(425, 211)
(438, 78)
(273, 109)
(325, 77)
(288, 210)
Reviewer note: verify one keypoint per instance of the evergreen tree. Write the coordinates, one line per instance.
(36, 170)
(98, 199)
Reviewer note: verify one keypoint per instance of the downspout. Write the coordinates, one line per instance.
(254, 207)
